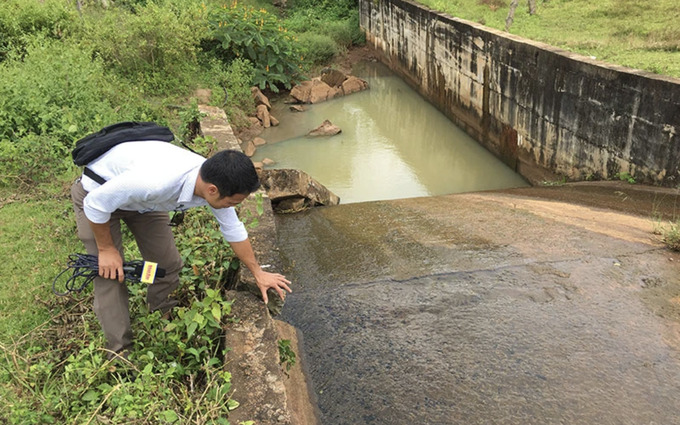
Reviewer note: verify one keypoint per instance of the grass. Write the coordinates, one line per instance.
(36, 237)
(642, 35)
(53, 367)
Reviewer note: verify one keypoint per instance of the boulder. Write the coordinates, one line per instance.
(294, 190)
(273, 120)
(248, 148)
(262, 114)
(353, 84)
(268, 161)
(300, 92)
(297, 108)
(312, 91)
(317, 90)
(260, 99)
(332, 77)
(259, 141)
(325, 129)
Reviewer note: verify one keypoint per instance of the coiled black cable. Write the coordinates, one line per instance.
(85, 268)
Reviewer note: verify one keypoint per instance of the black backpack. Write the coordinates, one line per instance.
(96, 144)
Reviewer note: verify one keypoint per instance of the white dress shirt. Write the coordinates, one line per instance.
(151, 176)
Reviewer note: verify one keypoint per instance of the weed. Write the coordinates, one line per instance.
(626, 177)
(671, 235)
(286, 354)
(191, 122)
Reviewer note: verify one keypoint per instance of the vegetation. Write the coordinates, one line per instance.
(67, 71)
(259, 37)
(54, 369)
(643, 35)
(286, 354)
(69, 68)
(671, 235)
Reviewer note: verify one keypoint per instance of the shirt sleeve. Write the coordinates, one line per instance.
(121, 191)
(231, 226)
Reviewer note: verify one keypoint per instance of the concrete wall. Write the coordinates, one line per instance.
(546, 112)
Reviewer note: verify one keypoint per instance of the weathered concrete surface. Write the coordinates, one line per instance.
(533, 306)
(215, 124)
(544, 111)
(266, 393)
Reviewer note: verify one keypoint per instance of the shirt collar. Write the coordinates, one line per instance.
(188, 186)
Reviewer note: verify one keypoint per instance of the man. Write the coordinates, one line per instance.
(145, 180)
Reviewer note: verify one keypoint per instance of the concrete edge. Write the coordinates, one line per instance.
(267, 393)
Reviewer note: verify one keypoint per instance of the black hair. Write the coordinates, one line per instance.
(232, 172)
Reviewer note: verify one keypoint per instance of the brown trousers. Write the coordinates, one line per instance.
(156, 243)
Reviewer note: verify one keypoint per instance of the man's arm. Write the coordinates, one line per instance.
(110, 261)
(264, 280)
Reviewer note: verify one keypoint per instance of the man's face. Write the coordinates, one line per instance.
(227, 201)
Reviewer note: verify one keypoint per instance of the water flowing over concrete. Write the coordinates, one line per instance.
(486, 308)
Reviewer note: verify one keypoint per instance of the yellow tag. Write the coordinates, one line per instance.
(149, 272)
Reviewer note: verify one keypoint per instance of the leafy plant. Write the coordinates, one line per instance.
(208, 259)
(626, 177)
(21, 20)
(190, 117)
(286, 354)
(60, 373)
(671, 235)
(236, 82)
(258, 36)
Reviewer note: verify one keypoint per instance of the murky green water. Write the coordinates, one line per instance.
(393, 145)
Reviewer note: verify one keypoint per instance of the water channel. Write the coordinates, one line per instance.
(393, 145)
(460, 309)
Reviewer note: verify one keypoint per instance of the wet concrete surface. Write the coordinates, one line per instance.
(532, 306)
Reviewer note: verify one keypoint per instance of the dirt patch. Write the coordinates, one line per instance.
(354, 55)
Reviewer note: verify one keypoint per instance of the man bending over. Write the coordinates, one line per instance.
(143, 182)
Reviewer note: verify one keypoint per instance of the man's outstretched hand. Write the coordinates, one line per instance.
(275, 281)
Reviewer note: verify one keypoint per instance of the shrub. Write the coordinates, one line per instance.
(319, 23)
(31, 159)
(256, 35)
(317, 49)
(345, 33)
(328, 10)
(52, 97)
(237, 82)
(671, 235)
(154, 47)
(55, 89)
(20, 19)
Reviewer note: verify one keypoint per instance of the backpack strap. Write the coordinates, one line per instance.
(94, 176)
